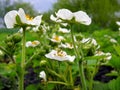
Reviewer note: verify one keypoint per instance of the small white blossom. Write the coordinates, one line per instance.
(66, 45)
(112, 40)
(32, 44)
(89, 40)
(55, 19)
(100, 53)
(64, 24)
(21, 30)
(56, 38)
(60, 56)
(64, 30)
(43, 75)
(35, 29)
(118, 23)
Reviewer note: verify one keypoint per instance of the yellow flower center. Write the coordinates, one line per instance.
(56, 38)
(28, 17)
(60, 53)
(34, 43)
(70, 45)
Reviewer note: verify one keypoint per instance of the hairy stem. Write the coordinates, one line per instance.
(79, 57)
(21, 77)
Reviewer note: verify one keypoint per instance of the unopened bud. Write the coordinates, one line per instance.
(43, 63)
(17, 37)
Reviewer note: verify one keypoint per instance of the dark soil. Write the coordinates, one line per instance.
(101, 75)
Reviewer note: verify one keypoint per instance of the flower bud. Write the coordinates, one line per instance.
(8, 39)
(17, 37)
(9, 44)
(43, 63)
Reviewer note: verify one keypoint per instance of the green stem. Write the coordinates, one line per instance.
(21, 77)
(81, 71)
(71, 78)
(31, 58)
(79, 57)
(57, 82)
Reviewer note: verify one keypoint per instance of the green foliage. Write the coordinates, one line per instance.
(114, 84)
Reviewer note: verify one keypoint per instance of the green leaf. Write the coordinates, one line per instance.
(100, 86)
(6, 69)
(114, 84)
(18, 20)
(31, 87)
(95, 57)
(115, 61)
(117, 49)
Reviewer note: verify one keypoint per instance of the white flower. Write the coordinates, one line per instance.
(64, 24)
(109, 56)
(89, 40)
(10, 18)
(21, 30)
(82, 18)
(32, 44)
(43, 75)
(64, 30)
(64, 14)
(66, 45)
(60, 56)
(35, 29)
(118, 23)
(55, 19)
(100, 53)
(56, 38)
(112, 40)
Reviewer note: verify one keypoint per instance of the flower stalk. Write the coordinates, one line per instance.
(21, 77)
(79, 57)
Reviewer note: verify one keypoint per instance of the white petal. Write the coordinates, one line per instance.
(35, 29)
(64, 14)
(10, 19)
(22, 15)
(43, 75)
(21, 30)
(64, 30)
(112, 40)
(82, 18)
(55, 19)
(28, 44)
(108, 56)
(35, 43)
(37, 20)
(71, 58)
(118, 23)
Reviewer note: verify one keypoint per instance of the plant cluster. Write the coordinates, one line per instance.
(53, 57)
